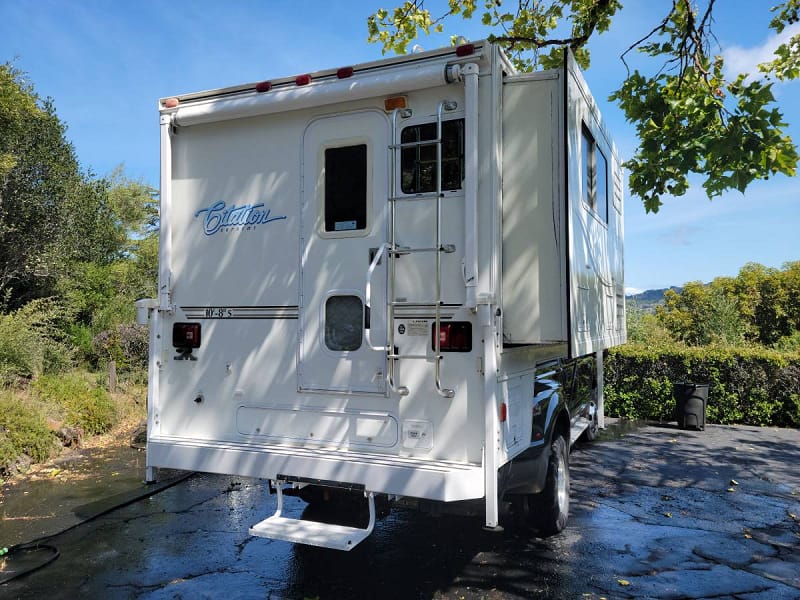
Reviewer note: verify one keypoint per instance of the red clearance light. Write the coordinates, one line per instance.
(465, 50)
(344, 72)
(186, 335)
(503, 412)
(171, 103)
(263, 86)
(302, 79)
(453, 337)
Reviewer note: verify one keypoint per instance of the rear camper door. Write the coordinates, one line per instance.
(343, 212)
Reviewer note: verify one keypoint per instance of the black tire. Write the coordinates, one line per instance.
(548, 510)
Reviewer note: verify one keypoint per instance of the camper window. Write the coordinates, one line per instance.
(594, 175)
(418, 163)
(344, 316)
(346, 188)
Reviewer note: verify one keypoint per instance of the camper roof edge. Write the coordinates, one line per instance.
(249, 89)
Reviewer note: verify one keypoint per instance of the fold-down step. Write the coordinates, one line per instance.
(312, 533)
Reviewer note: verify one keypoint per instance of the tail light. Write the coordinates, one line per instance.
(453, 337)
(186, 335)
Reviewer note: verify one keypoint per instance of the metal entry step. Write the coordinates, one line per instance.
(313, 533)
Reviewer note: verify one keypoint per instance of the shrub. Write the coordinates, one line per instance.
(125, 344)
(87, 406)
(30, 343)
(754, 386)
(23, 430)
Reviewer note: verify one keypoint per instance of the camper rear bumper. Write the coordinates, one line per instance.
(380, 473)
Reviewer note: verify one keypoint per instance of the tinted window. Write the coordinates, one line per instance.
(344, 318)
(346, 188)
(418, 163)
(594, 174)
(601, 185)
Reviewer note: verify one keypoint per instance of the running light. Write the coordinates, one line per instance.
(344, 72)
(302, 79)
(186, 335)
(465, 50)
(263, 86)
(453, 337)
(503, 412)
(389, 104)
(171, 103)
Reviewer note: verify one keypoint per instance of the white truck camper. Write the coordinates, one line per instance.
(391, 282)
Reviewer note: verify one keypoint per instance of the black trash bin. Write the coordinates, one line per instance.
(690, 404)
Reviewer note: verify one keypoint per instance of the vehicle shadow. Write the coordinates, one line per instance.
(414, 555)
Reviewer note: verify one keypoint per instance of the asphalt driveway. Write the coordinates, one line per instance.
(656, 512)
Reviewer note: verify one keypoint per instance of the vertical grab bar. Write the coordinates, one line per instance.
(368, 297)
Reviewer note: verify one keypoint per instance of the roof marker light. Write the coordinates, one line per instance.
(465, 50)
(263, 86)
(171, 103)
(302, 79)
(344, 72)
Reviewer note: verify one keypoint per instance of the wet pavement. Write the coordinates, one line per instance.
(656, 512)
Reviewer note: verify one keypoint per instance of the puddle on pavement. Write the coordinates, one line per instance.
(619, 428)
(67, 492)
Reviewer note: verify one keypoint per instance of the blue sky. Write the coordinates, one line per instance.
(107, 62)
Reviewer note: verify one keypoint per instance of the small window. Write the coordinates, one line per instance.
(344, 318)
(594, 175)
(418, 163)
(601, 185)
(346, 188)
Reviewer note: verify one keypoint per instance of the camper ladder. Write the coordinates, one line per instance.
(393, 251)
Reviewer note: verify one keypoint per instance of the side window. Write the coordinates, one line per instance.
(344, 318)
(594, 175)
(418, 163)
(601, 184)
(346, 188)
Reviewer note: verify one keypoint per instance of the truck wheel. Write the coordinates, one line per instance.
(548, 510)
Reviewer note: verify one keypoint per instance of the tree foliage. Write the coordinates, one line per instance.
(75, 250)
(758, 306)
(689, 118)
(56, 219)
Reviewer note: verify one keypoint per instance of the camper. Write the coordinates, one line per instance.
(392, 281)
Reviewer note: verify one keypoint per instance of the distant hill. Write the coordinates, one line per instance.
(649, 299)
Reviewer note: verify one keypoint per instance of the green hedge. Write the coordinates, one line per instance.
(753, 386)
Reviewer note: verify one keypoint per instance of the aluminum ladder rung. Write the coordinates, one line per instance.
(417, 144)
(403, 250)
(419, 304)
(431, 196)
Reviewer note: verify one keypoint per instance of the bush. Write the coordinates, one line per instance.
(87, 406)
(754, 386)
(30, 343)
(125, 344)
(23, 430)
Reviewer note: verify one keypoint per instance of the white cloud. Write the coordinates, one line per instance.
(632, 291)
(746, 60)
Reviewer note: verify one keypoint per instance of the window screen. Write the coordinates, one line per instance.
(344, 318)
(346, 188)
(418, 163)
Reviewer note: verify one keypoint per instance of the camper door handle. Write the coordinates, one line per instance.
(376, 259)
